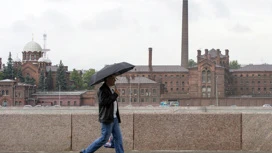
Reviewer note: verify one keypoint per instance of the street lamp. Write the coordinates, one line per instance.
(59, 93)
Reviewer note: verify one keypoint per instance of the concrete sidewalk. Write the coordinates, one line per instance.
(157, 151)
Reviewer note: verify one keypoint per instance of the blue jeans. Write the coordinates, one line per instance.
(106, 130)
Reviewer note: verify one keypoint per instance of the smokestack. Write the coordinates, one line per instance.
(150, 58)
(184, 45)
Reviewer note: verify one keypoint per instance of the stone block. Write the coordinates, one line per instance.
(187, 131)
(86, 129)
(256, 133)
(35, 132)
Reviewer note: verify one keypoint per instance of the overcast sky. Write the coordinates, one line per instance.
(88, 34)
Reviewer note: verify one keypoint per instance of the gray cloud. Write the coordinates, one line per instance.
(20, 26)
(107, 20)
(238, 28)
(220, 9)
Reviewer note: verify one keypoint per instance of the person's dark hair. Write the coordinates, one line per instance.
(105, 79)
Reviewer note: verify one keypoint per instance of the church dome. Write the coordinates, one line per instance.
(42, 59)
(17, 59)
(47, 60)
(32, 46)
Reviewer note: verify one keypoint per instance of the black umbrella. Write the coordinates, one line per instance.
(114, 69)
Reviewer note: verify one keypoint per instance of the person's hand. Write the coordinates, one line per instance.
(116, 91)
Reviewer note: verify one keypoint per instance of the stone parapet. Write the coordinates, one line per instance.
(187, 131)
(144, 129)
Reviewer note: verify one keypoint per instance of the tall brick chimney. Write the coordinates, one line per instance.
(184, 43)
(150, 58)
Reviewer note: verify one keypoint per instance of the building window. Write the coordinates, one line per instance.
(204, 76)
(75, 103)
(142, 91)
(60, 103)
(3, 92)
(68, 103)
(204, 90)
(142, 99)
(146, 92)
(55, 103)
(209, 76)
(123, 92)
(135, 92)
(7, 92)
(135, 100)
(154, 91)
(154, 100)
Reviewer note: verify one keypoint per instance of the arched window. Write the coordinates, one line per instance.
(3, 92)
(209, 76)
(204, 76)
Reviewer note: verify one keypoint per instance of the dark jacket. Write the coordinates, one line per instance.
(106, 105)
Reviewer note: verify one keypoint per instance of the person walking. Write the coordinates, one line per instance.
(108, 117)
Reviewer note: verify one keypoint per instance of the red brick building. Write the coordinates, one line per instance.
(15, 94)
(34, 62)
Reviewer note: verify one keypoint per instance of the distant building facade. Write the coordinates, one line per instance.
(34, 62)
(16, 94)
(210, 82)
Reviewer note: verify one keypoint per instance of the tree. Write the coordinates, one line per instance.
(191, 63)
(61, 77)
(29, 80)
(87, 77)
(50, 80)
(234, 65)
(77, 79)
(8, 70)
(1, 75)
(42, 82)
(20, 75)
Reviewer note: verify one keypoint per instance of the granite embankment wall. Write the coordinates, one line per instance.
(180, 128)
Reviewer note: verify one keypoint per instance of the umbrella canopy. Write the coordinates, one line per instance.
(114, 69)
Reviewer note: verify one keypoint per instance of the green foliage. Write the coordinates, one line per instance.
(77, 79)
(61, 77)
(234, 64)
(1, 75)
(42, 82)
(87, 77)
(20, 75)
(29, 80)
(8, 70)
(191, 63)
(50, 80)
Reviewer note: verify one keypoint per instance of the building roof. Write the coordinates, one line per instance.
(159, 68)
(213, 54)
(24, 84)
(134, 80)
(56, 93)
(251, 67)
(32, 46)
(7, 80)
